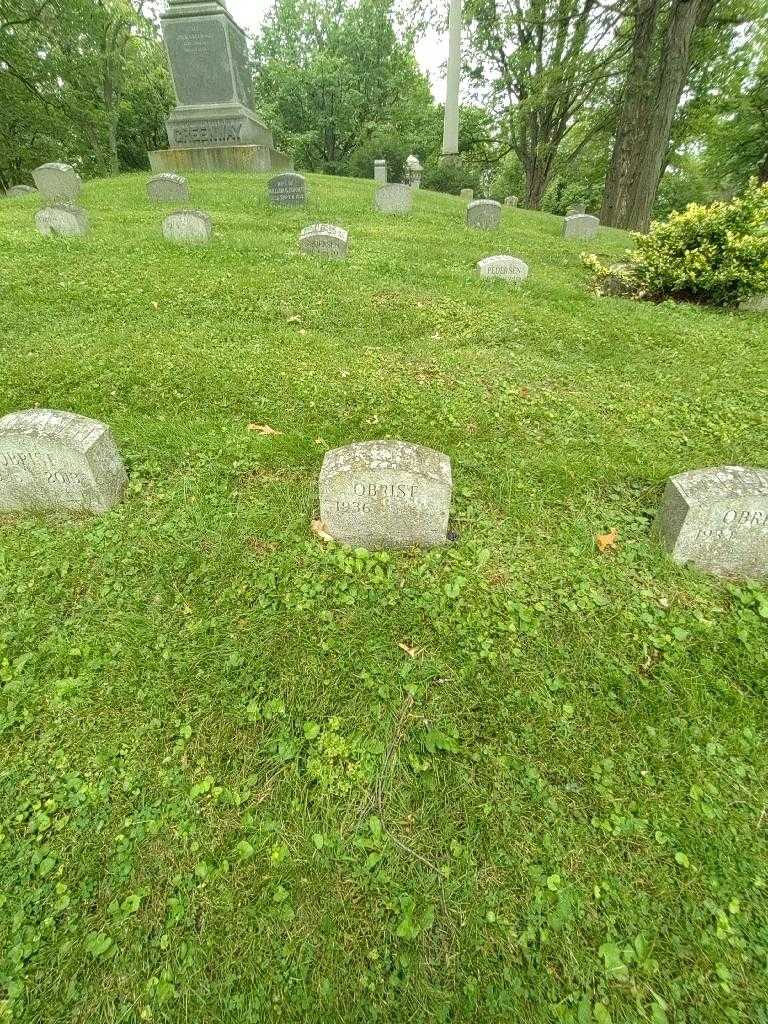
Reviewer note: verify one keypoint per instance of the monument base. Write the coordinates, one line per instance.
(233, 159)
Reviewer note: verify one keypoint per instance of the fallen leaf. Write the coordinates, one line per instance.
(318, 528)
(410, 651)
(264, 430)
(524, 392)
(607, 541)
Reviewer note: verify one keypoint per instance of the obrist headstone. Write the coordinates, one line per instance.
(188, 227)
(58, 182)
(288, 189)
(52, 461)
(386, 494)
(63, 219)
(717, 520)
(324, 240)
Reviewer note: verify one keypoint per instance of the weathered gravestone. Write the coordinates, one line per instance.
(510, 268)
(168, 188)
(467, 194)
(324, 240)
(393, 199)
(188, 227)
(61, 219)
(386, 494)
(717, 520)
(58, 182)
(288, 190)
(414, 171)
(580, 225)
(484, 214)
(16, 191)
(380, 172)
(58, 461)
(575, 209)
(511, 201)
(754, 304)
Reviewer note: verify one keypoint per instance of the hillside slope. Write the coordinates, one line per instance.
(227, 792)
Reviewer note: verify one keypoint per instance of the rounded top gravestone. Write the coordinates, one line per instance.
(511, 201)
(62, 219)
(484, 214)
(386, 494)
(52, 461)
(168, 188)
(393, 199)
(15, 191)
(717, 520)
(324, 240)
(467, 194)
(580, 225)
(509, 268)
(288, 189)
(58, 181)
(754, 304)
(188, 227)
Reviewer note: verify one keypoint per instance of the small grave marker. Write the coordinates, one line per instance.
(509, 268)
(393, 199)
(62, 219)
(380, 172)
(53, 461)
(717, 520)
(580, 225)
(324, 240)
(484, 214)
(511, 201)
(754, 304)
(288, 190)
(386, 494)
(58, 182)
(16, 191)
(188, 227)
(168, 188)
(467, 194)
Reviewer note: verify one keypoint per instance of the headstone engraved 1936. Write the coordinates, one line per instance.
(324, 240)
(168, 188)
(580, 225)
(509, 268)
(58, 182)
(511, 201)
(62, 219)
(386, 494)
(190, 227)
(717, 520)
(17, 191)
(484, 214)
(288, 190)
(58, 461)
(754, 304)
(467, 194)
(380, 172)
(393, 199)
(213, 126)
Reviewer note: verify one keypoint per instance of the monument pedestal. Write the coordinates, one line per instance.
(234, 159)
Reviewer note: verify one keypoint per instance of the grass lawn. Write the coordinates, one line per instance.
(227, 794)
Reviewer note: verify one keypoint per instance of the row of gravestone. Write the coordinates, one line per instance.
(376, 494)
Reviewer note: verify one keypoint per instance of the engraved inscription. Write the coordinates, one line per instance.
(200, 61)
(207, 132)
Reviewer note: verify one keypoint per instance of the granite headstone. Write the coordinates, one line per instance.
(393, 199)
(188, 227)
(168, 188)
(288, 190)
(511, 201)
(16, 191)
(717, 520)
(386, 494)
(580, 225)
(58, 461)
(324, 240)
(380, 172)
(58, 182)
(754, 304)
(484, 214)
(61, 219)
(509, 268)
(467, 194)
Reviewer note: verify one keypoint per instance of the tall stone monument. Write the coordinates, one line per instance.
(213, 127)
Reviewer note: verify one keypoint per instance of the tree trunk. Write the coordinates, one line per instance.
(762, 170)
(651, 97)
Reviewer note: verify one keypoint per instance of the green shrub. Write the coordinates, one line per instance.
(714, 254)
(450, 177)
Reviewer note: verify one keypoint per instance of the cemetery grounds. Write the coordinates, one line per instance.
(246, 775)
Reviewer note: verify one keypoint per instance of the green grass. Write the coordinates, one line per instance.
(226, 793)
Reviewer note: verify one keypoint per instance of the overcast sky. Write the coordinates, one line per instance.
(431, 51)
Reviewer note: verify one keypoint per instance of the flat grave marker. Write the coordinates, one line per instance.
(508, 268)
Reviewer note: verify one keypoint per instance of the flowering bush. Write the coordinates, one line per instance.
(715, 254)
